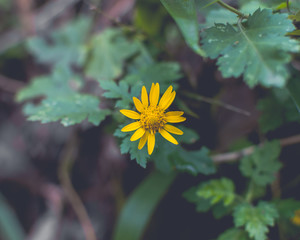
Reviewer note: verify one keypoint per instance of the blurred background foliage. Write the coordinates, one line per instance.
(68, 66)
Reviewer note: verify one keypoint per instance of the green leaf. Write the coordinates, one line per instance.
(189, 136)
(234, 234)
(164, 73)
(117, 91)
(66, 44)
(69, 109)
(262, 164)
(193, 162)
(126, 146)
(255, 219)
(107, 53)
(140, 206)
(202, 204)
(61, 82)
(257, 48)
(219, 16)
(10, 228)
(217, 191)
(279, 108)
(185, 15)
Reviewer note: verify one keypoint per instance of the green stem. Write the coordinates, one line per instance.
(249, 194)
(231, 9)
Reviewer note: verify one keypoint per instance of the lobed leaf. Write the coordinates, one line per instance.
(66, 45)
(257, 49)
(107, 54)
(217, 191)
(255, 220)
(262, 164)
(61, 82)
(69, 109)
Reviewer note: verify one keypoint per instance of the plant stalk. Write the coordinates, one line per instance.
(231, 9)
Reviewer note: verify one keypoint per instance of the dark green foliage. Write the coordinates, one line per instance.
(67, 44)
(262, 164)
(257, 48)
(255, 219)
(107, 53)
(218, 190)
(69, 109)
(277, 109)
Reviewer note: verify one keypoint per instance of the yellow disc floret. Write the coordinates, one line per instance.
(153, 119)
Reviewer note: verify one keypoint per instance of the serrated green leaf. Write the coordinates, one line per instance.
(107, 54)
(219, 16)
(164, 73)
(278, 108)
(234, 234)
(66, 44)
(61, 82)
(262, 164)
(69, 110)
(117, 91)
(255, 219)
(257, 48)
(185, 15)
(217, 191)
(126, 146)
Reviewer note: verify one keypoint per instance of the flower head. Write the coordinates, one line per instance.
(296, 218)
(153, 118)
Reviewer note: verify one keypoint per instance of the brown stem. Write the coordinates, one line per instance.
(66, 164)
(233, 156)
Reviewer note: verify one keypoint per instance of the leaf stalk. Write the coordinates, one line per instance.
(231, 9)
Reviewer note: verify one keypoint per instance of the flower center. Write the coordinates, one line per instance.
(153, 118)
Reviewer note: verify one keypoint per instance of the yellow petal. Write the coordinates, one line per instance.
(154, 94)
(163, 101)
(130, 114)
(143, 140)
(151, 143)
(173, 129)
(169, 101)
(131, 127)
(137, 134)
(144, 97)
(174, 113)
(139, 106)
(168, 136)
(175, 119)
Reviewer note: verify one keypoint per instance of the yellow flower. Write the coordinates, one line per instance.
(153, 118)
(296, 218)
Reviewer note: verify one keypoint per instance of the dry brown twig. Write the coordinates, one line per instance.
(233, 156)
